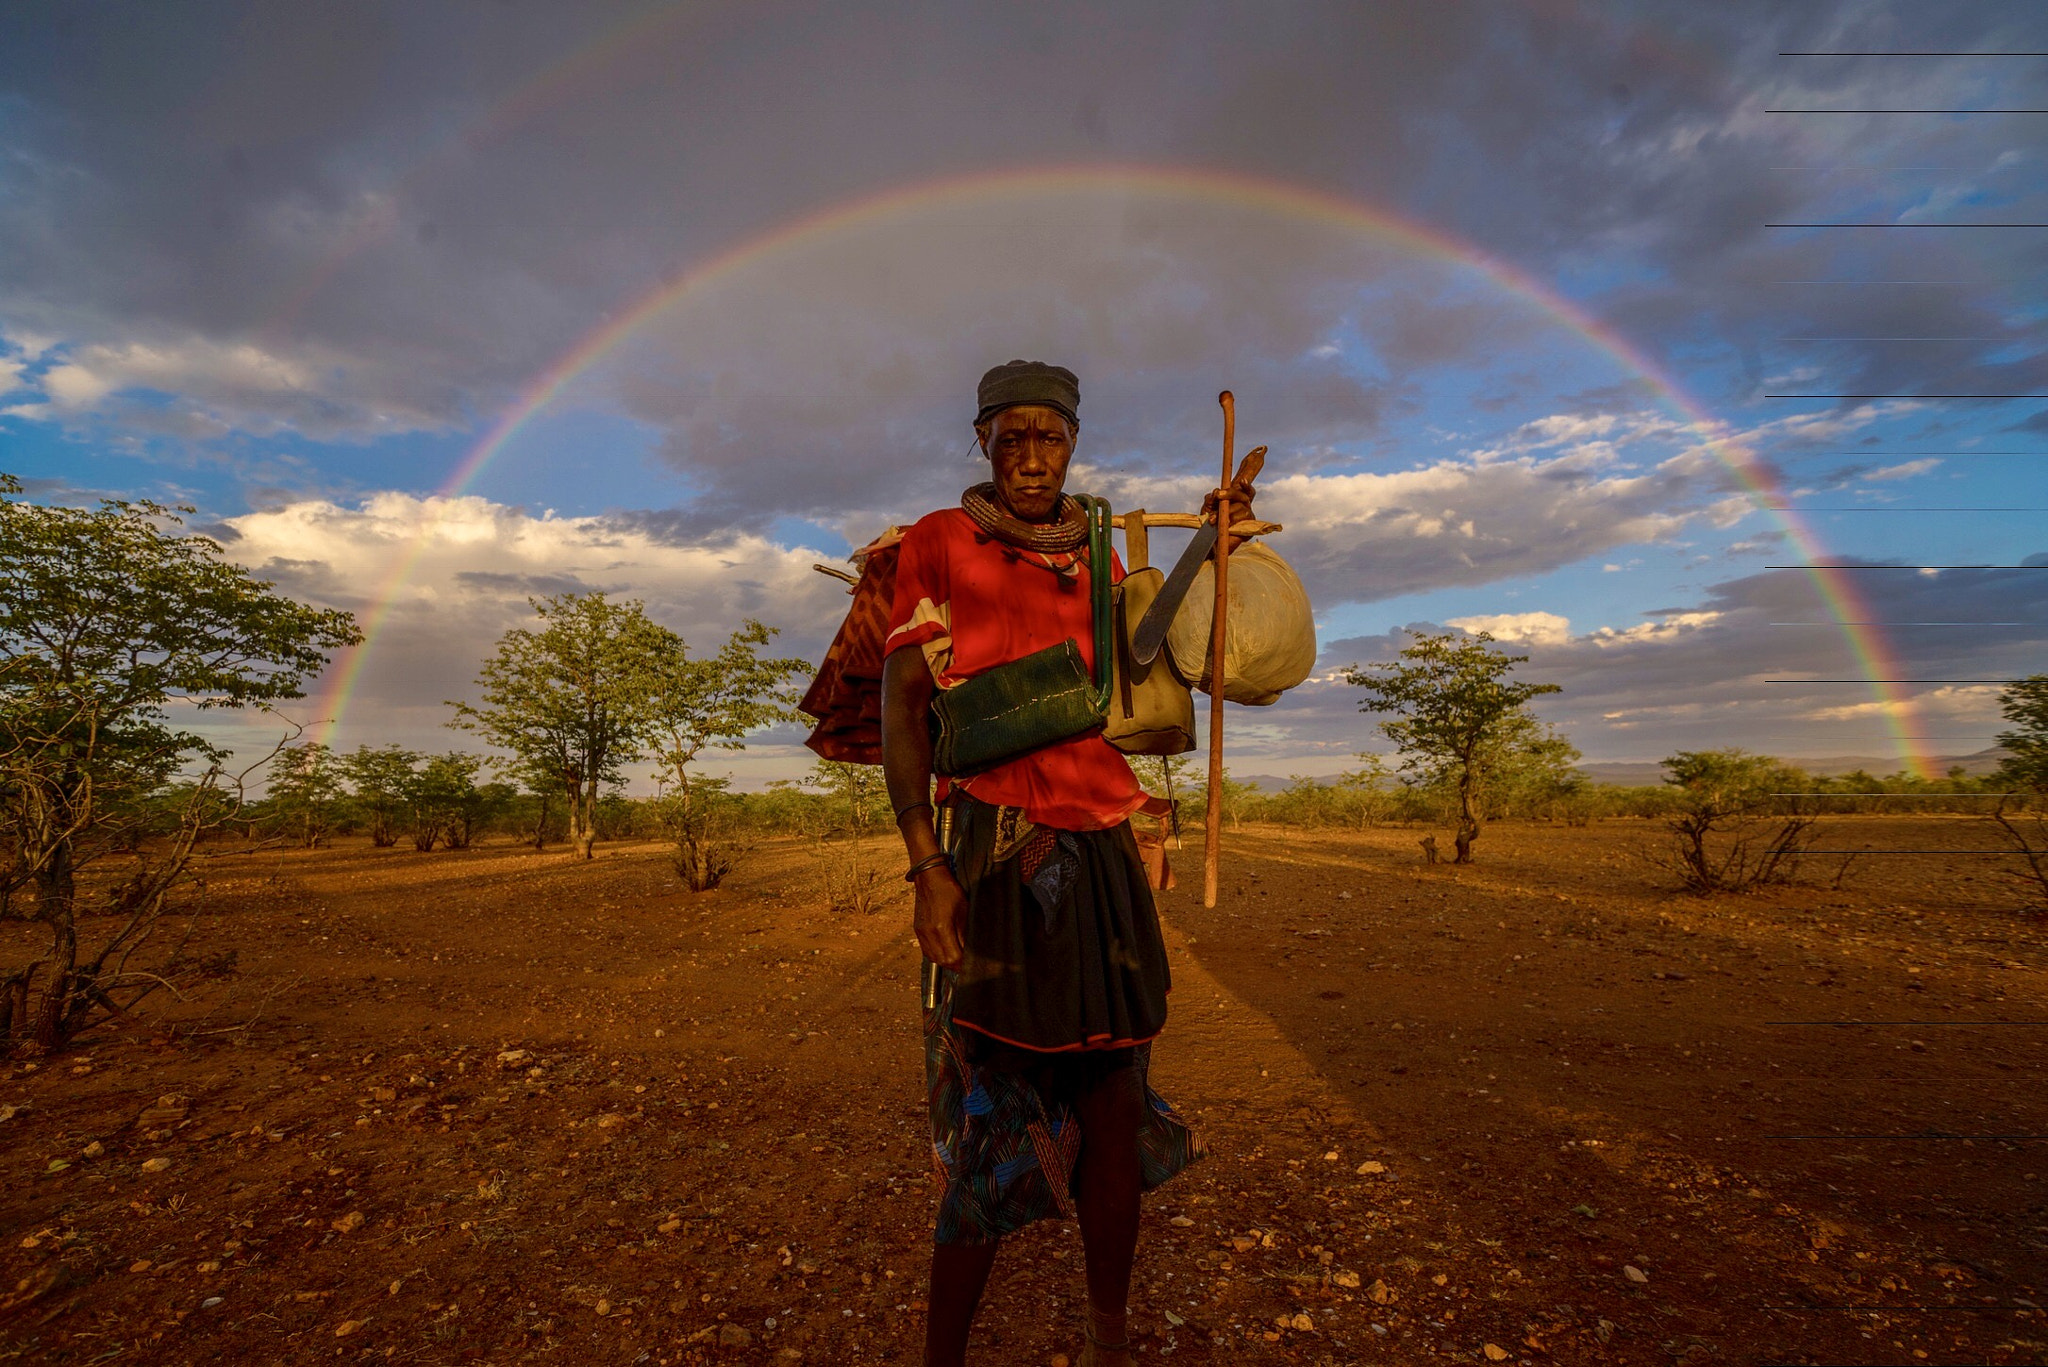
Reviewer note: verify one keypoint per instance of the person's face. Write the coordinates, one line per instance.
(1028, 449)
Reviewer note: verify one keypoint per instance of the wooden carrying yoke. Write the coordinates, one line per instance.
(1136, 526)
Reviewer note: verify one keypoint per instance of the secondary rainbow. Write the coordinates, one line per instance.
(1232, 188)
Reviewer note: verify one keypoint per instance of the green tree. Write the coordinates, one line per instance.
(571, 700)
(1459, 716)
(2025, 768)
(1237, 799)
(377, 778)
(1534, 771)
(109, 618)
(305, 793)
(714, 701)
(475, 806)
(1367, 791)
(2025, 704)
(443, 802)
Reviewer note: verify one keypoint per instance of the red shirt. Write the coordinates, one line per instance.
(972, 603)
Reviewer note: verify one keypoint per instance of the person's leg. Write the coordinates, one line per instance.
(1110, 1107)
(959, 1276)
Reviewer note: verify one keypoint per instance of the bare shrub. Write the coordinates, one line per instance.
(2028, 837)
(1737, 825)
(850, 870)
(704, 832)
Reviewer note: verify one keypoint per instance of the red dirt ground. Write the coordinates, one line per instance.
(1538, 1109)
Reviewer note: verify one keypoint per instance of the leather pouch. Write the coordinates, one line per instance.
(1151, 711)
(1013, 709)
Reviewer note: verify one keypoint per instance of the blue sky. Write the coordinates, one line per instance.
(290, 265)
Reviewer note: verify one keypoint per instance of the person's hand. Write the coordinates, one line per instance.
(941, 917)
(1242, 493)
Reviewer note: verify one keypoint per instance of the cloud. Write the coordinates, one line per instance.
(250, 226)
(1905, 470)
(372, 222)
(442, 578)
(1537, 628)
(215, 387)
(1748, 665)
(1694, 675)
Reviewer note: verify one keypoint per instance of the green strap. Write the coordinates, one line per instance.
(1099, 595)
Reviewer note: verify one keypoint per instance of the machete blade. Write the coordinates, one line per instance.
(1151, 632)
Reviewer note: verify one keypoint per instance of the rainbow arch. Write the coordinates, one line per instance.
(1231, 188)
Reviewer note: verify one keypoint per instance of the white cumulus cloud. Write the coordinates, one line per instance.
(437, 580)
(1537, 628)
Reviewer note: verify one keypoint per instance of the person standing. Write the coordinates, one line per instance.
(1047, 976)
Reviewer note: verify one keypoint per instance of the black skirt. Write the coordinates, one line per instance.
(1063, 951)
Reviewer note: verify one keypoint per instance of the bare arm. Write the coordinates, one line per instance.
(907, 690)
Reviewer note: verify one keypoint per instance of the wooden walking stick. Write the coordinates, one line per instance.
(1212, 852)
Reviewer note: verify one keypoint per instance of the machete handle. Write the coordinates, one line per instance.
(1249, 469)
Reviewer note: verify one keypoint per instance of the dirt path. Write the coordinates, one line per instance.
(490, 1106)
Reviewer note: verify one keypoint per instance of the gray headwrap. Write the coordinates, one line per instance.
(1022, 382)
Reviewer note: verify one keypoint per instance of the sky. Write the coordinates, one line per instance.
(1596, 327)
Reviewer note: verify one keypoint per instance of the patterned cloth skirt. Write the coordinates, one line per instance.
(1064, 981)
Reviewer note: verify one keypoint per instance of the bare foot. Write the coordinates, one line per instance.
(1108, 1341)
(1095, 1354)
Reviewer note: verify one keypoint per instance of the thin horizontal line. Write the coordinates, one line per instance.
(1905, 224)
(1893, 508)
(1903, 624)
(1887, 456)
(1882, 1309)
(1874, 282)
(1906, 567)
(1872, 681)
(1913, 54)
(1907, 1136)
(1893, 456)
(1906, 111)
(1907, 851)
(1908, 396)
(1849, 792)
(1891, 339)
(1906, 1022)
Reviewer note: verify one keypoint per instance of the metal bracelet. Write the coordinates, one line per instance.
(929, 861)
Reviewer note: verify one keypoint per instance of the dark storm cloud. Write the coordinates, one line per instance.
(351, 220)
(539, 585)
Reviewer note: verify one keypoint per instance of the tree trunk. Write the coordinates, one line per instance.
(583, 816)
(56, 906)
(1468, 819)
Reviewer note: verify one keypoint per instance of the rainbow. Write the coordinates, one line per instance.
(1225, 188)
